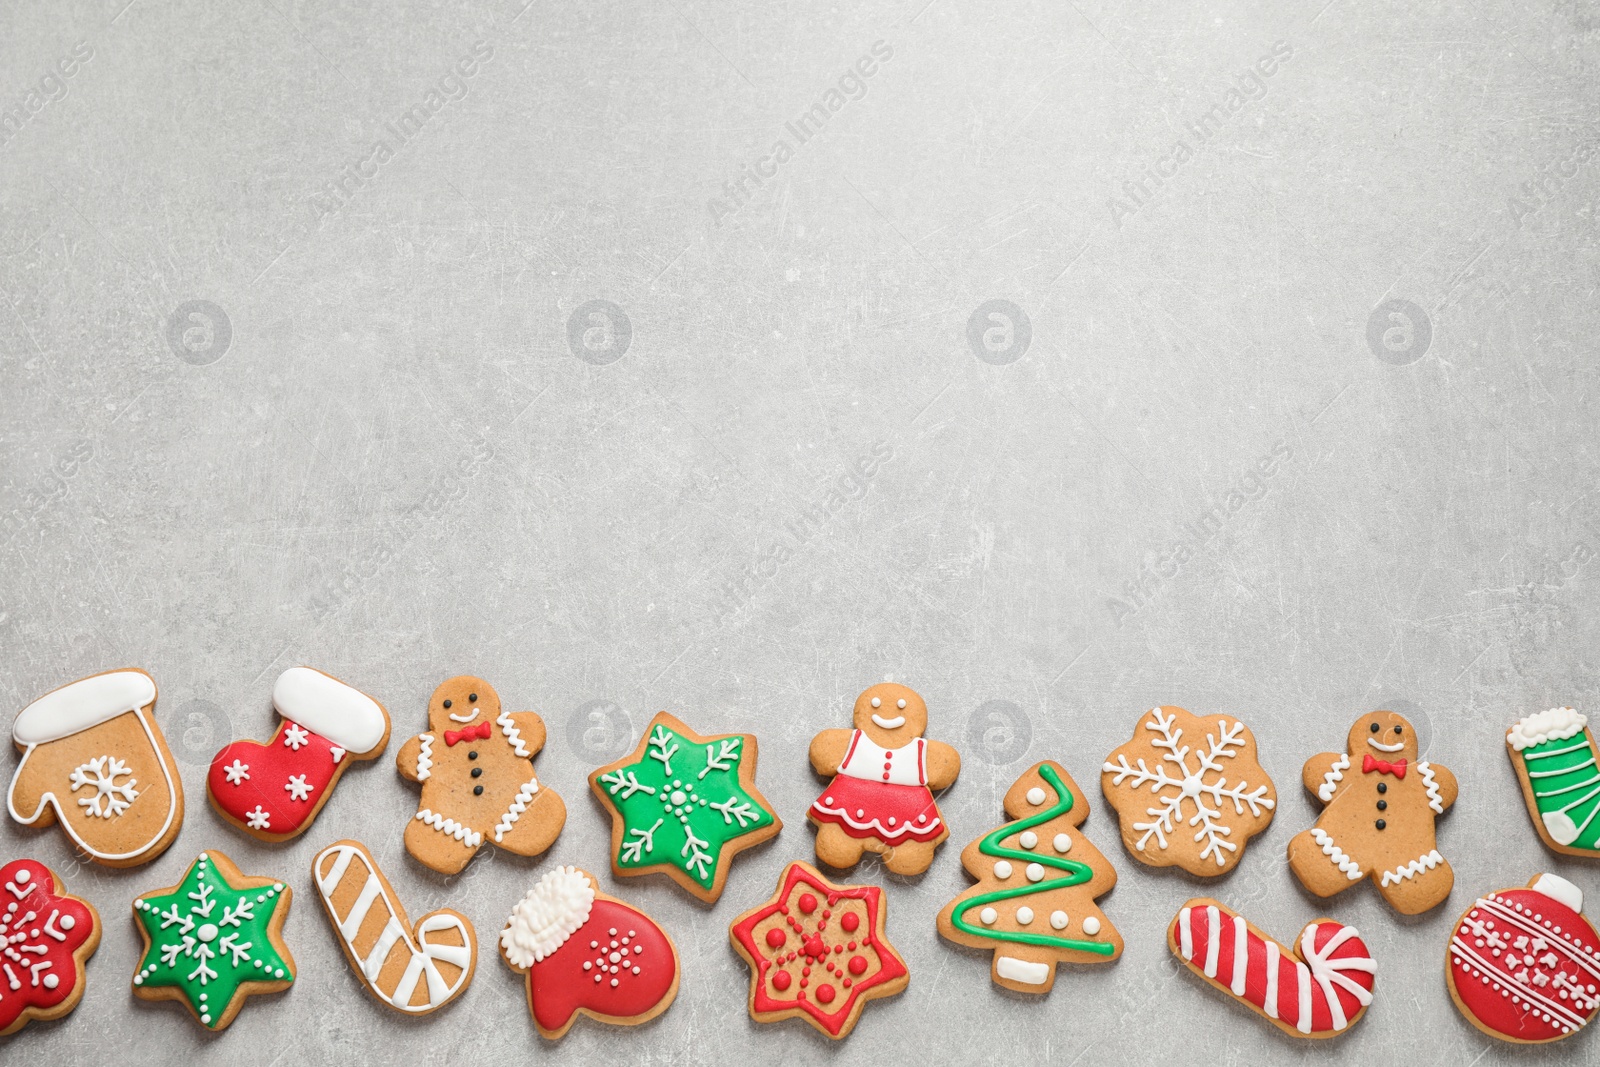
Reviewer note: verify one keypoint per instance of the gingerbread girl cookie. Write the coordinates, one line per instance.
(475, 764)
(1381, 805)
(881, 799)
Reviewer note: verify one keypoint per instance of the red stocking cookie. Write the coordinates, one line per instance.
(818, 951)
(94, 758)
(46, 938)
(274, 790)
(475, 764)
(1320, 988)
(1525, 964)
(1381, 804)
(881, 798)
(586, 953)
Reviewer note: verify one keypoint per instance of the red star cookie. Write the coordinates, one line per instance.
(46, 938)
(818, 951)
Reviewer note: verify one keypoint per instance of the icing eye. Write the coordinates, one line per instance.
(1376, 727)
(1397, 729)
(900, 703)
(447, 705)
(472, 698)
(877, 703)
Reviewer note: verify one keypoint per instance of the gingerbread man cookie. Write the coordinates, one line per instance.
(881, 798)
(1381, 805)
(475, 764)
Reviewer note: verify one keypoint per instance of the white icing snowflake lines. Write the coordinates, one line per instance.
(1160, 785)
(110, 798)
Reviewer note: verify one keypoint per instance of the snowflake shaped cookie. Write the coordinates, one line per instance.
(213, 939)
(684, 804)
(1189, 791)
(110, 797)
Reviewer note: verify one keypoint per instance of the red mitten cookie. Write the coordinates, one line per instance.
(273, 791)
(586, 953)
(46, 938)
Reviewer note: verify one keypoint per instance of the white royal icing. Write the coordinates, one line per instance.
(1331, 780)
(542, 921)
(1351, 869)
(1426, 862)
(1557, 724)
(1560, 890)
(87, 702)
(324, 705)
(1023, 971)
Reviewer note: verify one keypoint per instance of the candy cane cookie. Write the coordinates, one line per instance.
(412, 969)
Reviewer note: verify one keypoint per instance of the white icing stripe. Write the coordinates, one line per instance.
(1303, 973)
(1435, 801)
(1241, 945)
(1331, 780)
(1213, 945)
(1492, 971)
(513, 736)
(1554, 751)
(1024, 971)
(77, 706)
(324, 705)
(424, 756)
(1352, 869)
(450, 828)
(887, 833)
(1308, 949)
(1271, 1005)
(1565, 770)
(1410, 870)
(358, 911)
(519, 804)
(1185, 935)
(1527, 925)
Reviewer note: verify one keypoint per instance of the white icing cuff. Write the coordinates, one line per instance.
(1560, 890)
(82, 704)
(542, 921)
(1557, 724)
(324, 705)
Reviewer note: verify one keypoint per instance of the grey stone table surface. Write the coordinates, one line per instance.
(1056, 359)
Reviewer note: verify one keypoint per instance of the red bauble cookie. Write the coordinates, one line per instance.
(1524, 964)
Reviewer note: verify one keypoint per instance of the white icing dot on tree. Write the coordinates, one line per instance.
(1063, 843)
(1059, 920)
(1002, 869)
(1029, 839)
(1024, 916)
(1036, 796)
(1035, 872)
(988, 915)
(1091, 926)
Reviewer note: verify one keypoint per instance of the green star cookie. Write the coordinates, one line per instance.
(213, 939)
(684, 804)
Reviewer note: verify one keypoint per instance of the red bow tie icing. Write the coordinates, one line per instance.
(467, 733)
(1383, 766)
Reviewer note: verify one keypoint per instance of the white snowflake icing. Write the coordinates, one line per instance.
(294, 736)
(1191, 784)
(297, 787)
(663, 747)
(101, 774)
(258, 819)
(236, 772)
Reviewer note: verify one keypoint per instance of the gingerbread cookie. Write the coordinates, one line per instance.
(93, 757)
(1554, 754)
(1034, 903)
(1524, 964)
(412, 969)
(213, 939)
(1211, 784)
(475, 764)
(684, 804)
(818, 951)
(586, 953)
(881, 799)
(1319, 989)
(274, 790)
(1381, 803)
(46, 938)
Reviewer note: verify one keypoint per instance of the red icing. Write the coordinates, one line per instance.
(270, 767)
(59, 925)
(1496, 940)
(778, 971)
(1288, 966)
(559, 985)
(775, 938)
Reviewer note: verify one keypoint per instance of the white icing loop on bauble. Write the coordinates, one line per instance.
(542, 921)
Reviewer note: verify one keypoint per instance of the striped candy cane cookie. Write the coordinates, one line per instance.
(414, 971)
(1320, 989)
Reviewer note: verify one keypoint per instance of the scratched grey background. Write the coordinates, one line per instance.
(276, 396)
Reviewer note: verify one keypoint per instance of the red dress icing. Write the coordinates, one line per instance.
(817, 949)
(1526, 965)
(274, 787)
(39, 934)
(618, 964)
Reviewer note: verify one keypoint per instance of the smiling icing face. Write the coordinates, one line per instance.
(1384, 735)
(891, 715)
(460, 702)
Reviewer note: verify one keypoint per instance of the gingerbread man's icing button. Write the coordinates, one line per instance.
(1382, 800)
